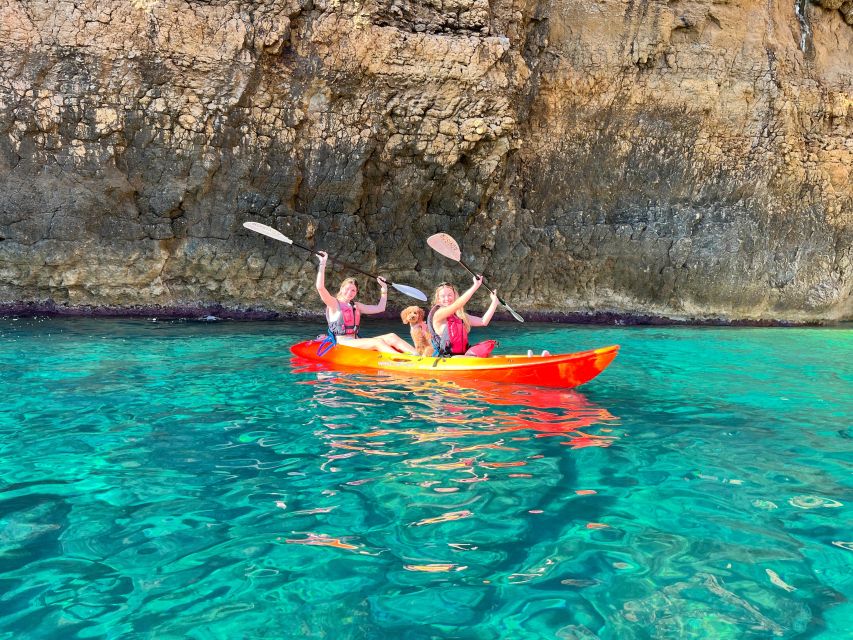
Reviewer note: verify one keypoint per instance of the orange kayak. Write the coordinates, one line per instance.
(565, 370)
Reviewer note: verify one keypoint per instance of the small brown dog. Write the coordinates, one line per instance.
(414, 316)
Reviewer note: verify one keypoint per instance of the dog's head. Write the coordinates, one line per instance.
(412, 315)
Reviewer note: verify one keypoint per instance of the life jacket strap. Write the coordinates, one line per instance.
(328, 342)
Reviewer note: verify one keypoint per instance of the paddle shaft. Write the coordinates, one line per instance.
(477, 275)
(449, 248)
(334, 261)
(275, 234)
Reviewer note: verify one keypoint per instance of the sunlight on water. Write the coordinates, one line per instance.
(187, 479)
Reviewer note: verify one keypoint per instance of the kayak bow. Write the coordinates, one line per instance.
(564, 370)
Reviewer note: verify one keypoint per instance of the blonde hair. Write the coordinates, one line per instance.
(346, 282)
(461, 312)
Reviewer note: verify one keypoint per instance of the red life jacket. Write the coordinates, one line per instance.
(453, 340)
(346, 323)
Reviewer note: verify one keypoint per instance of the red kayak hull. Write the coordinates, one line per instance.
(564, 370)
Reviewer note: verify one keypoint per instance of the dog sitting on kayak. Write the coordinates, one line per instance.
(414, 316)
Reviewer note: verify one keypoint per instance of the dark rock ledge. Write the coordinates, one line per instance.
(218, 312)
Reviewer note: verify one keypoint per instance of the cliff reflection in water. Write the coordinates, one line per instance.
(440, 425)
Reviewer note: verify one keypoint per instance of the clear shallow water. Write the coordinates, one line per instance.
(186, 480)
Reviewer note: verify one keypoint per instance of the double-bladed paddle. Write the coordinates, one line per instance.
(268, 231)
(449, 248)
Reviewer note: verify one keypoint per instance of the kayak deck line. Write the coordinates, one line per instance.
(514, 360)
(557, 370)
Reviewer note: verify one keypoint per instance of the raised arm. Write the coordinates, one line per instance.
(328, 299)
(443, 313)
(379, 307)
(484, 321)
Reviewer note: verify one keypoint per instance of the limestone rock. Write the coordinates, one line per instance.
(832, 5)
(687, 159)
(847, 11)
(844, 6)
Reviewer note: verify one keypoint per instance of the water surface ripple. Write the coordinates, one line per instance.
(188, 480)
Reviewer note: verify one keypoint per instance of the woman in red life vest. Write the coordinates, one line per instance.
(448, 323)
(344, 314)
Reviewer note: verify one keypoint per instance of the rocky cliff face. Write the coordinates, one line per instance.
(685, 159)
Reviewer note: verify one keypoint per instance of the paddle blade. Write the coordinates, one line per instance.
(445, 245)
(514, 314)
(511, 310)
(417, 294)
(263, 229)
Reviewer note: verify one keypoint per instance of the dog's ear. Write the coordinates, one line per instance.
(420, 315)
(403, 315)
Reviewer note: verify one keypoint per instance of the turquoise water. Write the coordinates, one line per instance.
(185, 480)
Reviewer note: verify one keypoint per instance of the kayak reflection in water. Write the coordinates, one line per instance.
(344, 314)
(448, 323)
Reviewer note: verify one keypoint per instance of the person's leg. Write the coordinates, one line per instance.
(374, 344)
(395, 341)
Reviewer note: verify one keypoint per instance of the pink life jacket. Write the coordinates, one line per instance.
(347, 322)
(453, 340)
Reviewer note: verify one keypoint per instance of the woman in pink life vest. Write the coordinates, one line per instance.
(448, 323)
(344, 314)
